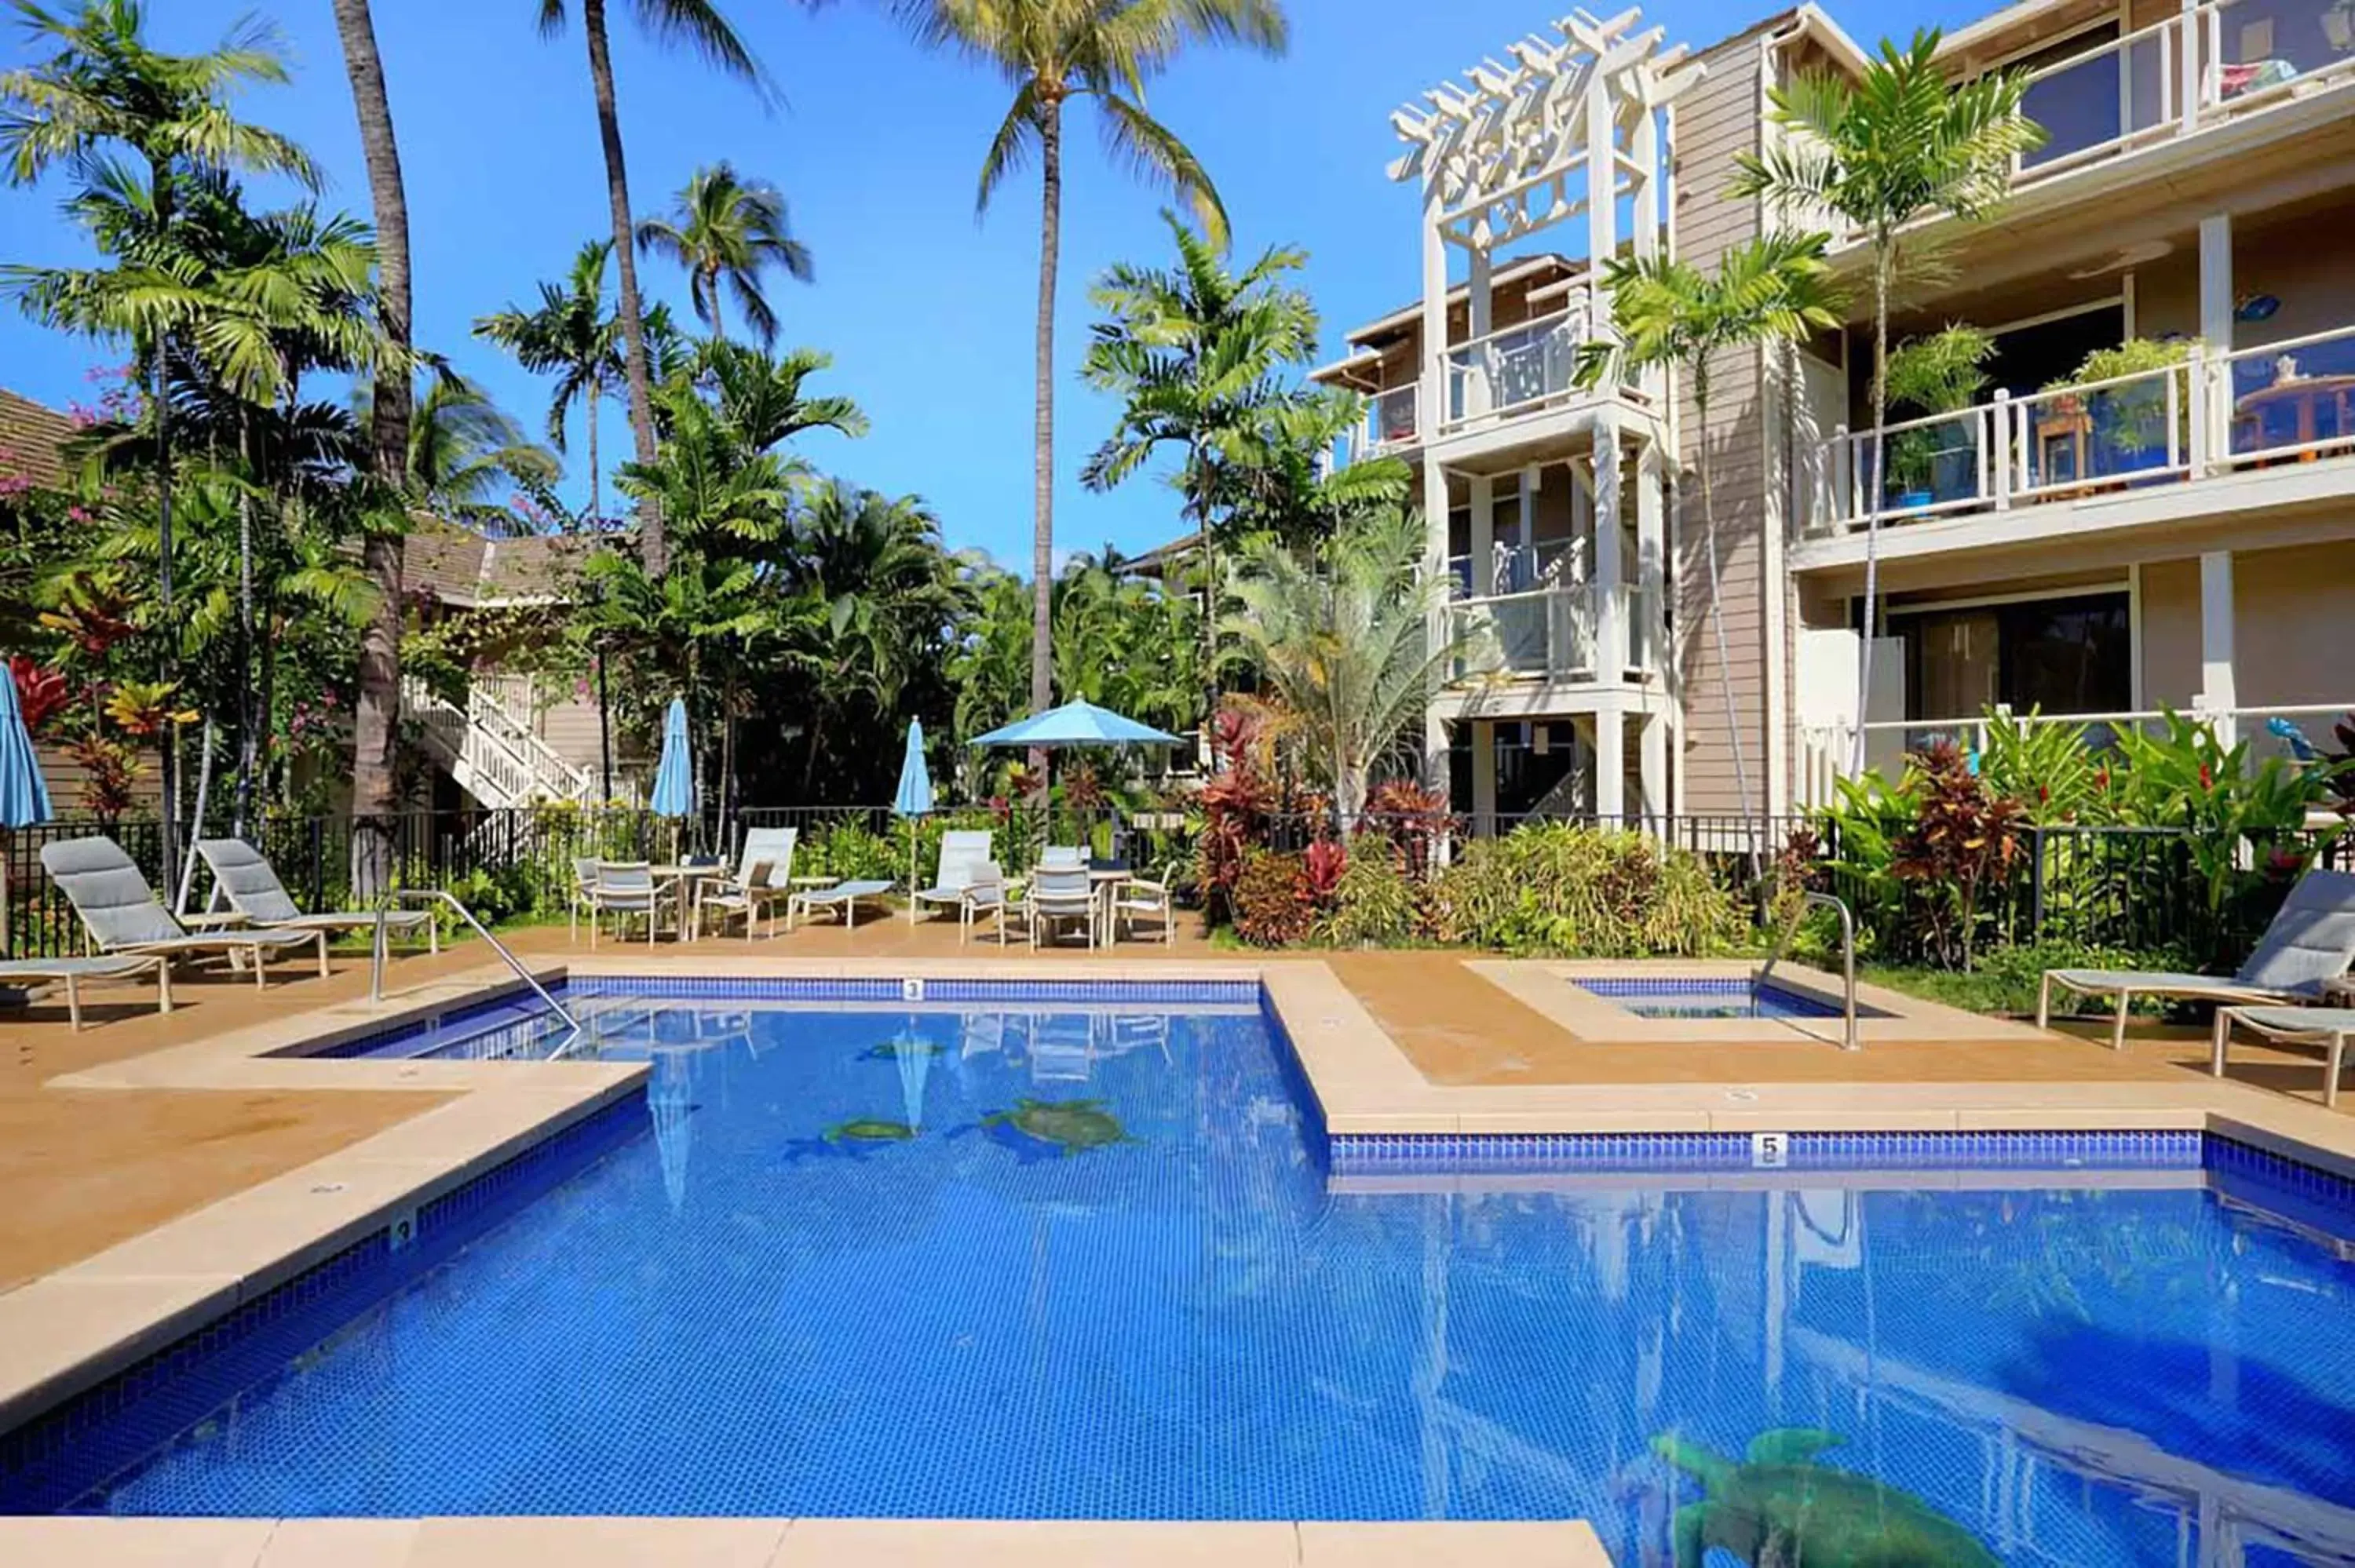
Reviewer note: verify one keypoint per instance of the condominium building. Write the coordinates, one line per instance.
(2172, 526)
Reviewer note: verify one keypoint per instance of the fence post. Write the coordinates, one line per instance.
(2036, 884)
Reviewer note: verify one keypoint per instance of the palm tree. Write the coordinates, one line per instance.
(103, 85)
(727, 228)
(464, 450)
(1340, 633)
(1670, 315)
(699, 25)
(574, 336)
(1900, 145)
(1050, 52)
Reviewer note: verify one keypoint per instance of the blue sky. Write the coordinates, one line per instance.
(927, 312)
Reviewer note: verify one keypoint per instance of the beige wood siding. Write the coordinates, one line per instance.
(1714, 122)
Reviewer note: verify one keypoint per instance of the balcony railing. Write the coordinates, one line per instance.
(1514, 370)
(2211, 414)
(1555, 633)
(1519, 568)
(1389, 425)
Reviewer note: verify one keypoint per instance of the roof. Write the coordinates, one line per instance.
(30, 437)
(468, 571)
(1549, 263)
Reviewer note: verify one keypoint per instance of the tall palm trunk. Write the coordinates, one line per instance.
(1880, 268)
(1717, 615)
(596, 506)
(376, 727)
(248, 720)
(652, 545)
(159, 393)
(1043, 479)
(711, 292)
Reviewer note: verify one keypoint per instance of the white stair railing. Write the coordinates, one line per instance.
(492, 756)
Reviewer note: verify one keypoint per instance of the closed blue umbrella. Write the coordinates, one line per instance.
(673, 793)
(23, 794)
(914, 800)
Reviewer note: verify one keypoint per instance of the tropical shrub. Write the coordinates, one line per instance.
(1569, 889)
(1412, 818)
(1373, 903)
(853, 852)
(1962, 842)
(1271, 898)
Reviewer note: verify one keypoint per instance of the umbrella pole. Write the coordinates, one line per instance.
(912, 839)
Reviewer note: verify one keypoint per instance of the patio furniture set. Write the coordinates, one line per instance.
(1065, 892)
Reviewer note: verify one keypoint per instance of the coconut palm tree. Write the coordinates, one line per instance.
(698, 25)
(464, 453)
(1340, 634)
(726, 228)
(1671, 314)
(102, 86)
(1051, 52)
(575, 336)
(1900, 145)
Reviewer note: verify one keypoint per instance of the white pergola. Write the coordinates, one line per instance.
(1572, 127)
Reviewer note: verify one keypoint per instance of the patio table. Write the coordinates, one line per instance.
(687, 881)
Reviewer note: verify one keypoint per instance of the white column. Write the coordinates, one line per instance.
(1484, 777)
(1430, 396)
(2216, 281)
(2189, 47)
(2218, 696)
(1602, 179)
(1434, 533)
(1610, 570)
(1651, 550)
(1654, 763)
(1482, 540)
(1610, 764)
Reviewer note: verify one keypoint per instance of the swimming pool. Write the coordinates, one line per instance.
(1080, 1255)
(1656, 996)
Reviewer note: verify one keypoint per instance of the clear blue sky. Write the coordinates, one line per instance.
(927, 313)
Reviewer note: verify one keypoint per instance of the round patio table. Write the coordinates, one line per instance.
(688, 880)
(1103, 882)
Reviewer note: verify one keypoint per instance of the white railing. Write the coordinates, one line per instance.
(2221, 62)
(1557, 633)
(2291, 732)
(492, 702)
(1388, 424)
(1514, 369)
(498, 759)
(1519, 568)
(2211, 414)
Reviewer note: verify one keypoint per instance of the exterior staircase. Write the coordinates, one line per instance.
(489, 748)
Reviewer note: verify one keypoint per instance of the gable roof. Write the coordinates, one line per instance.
(30, 437)
(466, 570)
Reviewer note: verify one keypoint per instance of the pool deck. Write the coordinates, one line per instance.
(159, 1170)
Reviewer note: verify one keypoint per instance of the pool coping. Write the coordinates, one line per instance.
(64, 1332)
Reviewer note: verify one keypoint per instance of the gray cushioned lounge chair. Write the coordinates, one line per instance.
(71, 972)
(247, 880)
(964, 852)
(2310, 943)
(2328, 1027)
(121, 912)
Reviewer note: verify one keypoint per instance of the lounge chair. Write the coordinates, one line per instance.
(2310, 943)
(1141, 897)
(843, 896)
(1061, 893)
(2329, 1027)
(121, 913)
(71, 972)
(1061, 857)
(764, 877)
(963, 852)
(984, 895)
(583, 894)
(624, 888)
(247, 880)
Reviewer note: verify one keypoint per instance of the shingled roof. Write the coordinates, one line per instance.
(467, 571)
(30, 435)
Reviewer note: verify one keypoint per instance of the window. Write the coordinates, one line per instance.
(2073, 654)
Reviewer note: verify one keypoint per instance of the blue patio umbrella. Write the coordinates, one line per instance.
(1077, 723)
(673, 793)
(914, 800)
(23, 794)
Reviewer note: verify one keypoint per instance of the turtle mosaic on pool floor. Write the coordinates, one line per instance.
(1779, 1508)
(1071, 1125)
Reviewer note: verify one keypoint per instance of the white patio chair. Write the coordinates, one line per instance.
(1059, 894)
(625, 888)
(962, 853)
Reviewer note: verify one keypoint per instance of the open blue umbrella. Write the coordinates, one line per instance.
(914, 800)
(1077, 723)
(24, 795)
(673, 793)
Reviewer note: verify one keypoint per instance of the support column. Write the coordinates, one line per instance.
(2216, 281)
(2218, 696)
(1610, 569)
(1654, 763)
(1483, 778)
(1434, 534)
(1481, 542)
(2211, 373)
(1610, 765)
(1650, 609)
(1430, 396)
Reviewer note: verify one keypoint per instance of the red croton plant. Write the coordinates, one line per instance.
(1964, 840)
(41, 693)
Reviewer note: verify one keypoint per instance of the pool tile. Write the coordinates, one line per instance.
(1451, 1544)
(1027, 1543)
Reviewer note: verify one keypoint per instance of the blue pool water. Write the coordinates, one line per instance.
(1649, 997)
(1186, 1315)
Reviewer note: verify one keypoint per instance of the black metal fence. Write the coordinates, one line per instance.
(2141, 888)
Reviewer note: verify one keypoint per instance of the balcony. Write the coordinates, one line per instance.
(1515, 371)
(2187, 424)
(1389, 427)
(1554, 633)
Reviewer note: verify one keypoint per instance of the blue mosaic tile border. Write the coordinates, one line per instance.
(1355, 1154)
(65, 1452)
(697, 987)
(518, 1003)
(1296, 1083)
(1666, 985)
(2233, 1156)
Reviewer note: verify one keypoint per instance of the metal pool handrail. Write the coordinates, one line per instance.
(376, 972)
(1849, 1041)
